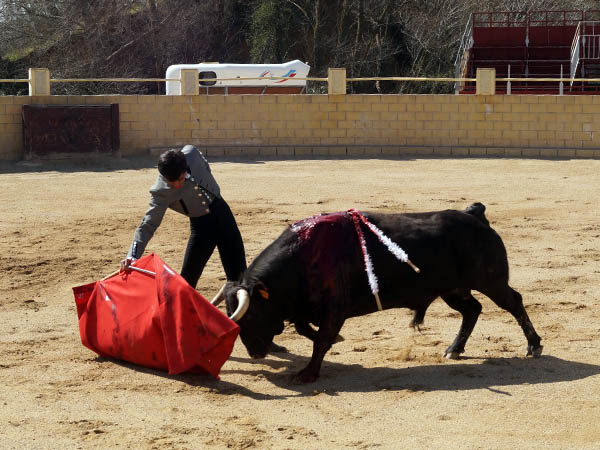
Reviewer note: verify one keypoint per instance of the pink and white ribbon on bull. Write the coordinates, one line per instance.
(394, 248)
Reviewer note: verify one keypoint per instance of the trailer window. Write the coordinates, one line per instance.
(207, 75)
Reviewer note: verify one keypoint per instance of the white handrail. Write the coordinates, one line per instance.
(586, 45)
(462, 56)
(576, 38)
(575, 52)
(574, 58)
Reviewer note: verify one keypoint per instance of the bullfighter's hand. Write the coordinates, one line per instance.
(126, 263)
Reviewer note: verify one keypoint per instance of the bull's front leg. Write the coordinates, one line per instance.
(304, 329)
(324, 339)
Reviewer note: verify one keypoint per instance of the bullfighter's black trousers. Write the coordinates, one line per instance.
(216, 229)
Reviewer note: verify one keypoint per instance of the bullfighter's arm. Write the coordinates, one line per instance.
(150, 222)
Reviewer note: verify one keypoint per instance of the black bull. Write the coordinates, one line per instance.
(314, 273)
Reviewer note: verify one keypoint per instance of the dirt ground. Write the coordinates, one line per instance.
(386, 386)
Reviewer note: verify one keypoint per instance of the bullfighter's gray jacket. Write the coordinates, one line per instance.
(192, 199)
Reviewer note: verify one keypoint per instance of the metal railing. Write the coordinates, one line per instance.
(313, 79)
(499, 19)
(556, 18)
(586, 45)
(505, 19)
(155, 80)
(462, 56)
(143, 80)
(463, 80)
(575, 51)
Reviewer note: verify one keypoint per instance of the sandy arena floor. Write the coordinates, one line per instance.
(386, 387)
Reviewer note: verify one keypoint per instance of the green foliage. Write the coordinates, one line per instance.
(18, 54)
(270, 25)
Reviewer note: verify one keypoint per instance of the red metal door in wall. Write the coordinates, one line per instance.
(63, 130)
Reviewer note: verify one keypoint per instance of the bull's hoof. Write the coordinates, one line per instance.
(304, 377)
(451, 355)
(453, 352)
(534, 352)
(274, 348)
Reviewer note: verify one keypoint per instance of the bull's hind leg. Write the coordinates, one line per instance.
(509, 299)
(462, 301)
(419, 313)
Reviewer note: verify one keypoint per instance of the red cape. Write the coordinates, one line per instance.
(155, 321)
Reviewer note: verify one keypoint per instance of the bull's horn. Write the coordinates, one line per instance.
(219, 297)
(243, 304)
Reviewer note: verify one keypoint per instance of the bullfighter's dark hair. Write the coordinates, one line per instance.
(171, 164)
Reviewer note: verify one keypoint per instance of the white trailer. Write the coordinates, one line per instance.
(284, 78)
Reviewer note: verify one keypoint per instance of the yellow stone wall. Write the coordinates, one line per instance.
(294, 125)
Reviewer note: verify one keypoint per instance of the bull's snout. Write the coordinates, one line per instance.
(257, 349)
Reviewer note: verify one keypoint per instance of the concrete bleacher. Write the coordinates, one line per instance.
(536, 44)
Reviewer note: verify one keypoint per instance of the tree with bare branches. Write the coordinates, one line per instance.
(141, 38)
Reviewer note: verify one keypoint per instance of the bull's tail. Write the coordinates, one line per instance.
(478, 210)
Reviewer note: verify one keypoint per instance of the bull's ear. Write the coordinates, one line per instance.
(262, 290)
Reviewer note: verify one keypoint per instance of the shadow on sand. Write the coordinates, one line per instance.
(105, 163)
(491, 374)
